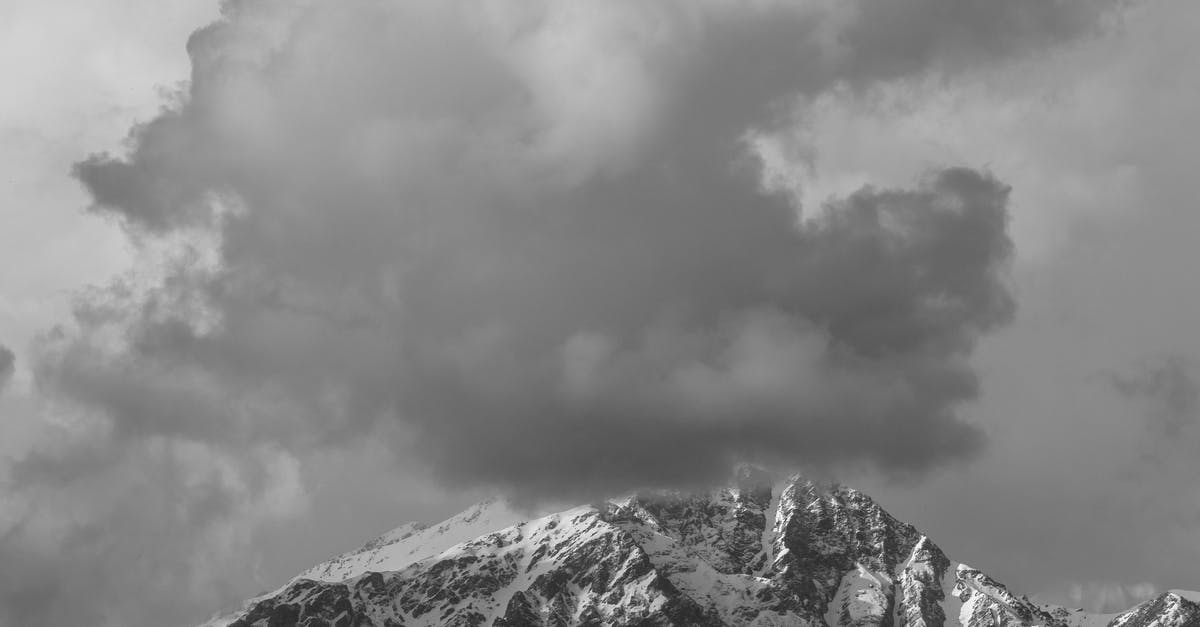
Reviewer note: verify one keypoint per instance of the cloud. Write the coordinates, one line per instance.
(1168, 388)
(157, 532)
(7, 365)
(1102, 198)
(1109, 597)
(540, 287)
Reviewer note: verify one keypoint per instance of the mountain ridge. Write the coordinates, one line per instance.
(757, 552)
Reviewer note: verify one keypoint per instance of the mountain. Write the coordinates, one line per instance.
(755, 553)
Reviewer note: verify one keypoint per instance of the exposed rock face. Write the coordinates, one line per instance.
(796, 553)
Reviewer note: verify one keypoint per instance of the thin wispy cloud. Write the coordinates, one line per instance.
(1167, 386)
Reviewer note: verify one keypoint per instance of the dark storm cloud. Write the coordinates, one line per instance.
(1168, 388)
(851, 345)
(539, 237)
(8, 363)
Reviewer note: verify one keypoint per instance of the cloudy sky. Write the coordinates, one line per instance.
(277, 276)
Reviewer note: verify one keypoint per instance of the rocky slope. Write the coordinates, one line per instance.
(754, 553)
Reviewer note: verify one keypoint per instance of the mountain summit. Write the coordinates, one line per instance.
(757, 552)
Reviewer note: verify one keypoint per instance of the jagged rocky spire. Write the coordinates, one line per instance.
(758, 552)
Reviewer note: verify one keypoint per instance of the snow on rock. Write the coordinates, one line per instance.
(1176, 608)
(863, 598)
(920, 592)
(754, 553)
(987, 602)
(413, 542)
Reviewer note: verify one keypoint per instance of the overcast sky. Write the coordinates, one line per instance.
(278, 276)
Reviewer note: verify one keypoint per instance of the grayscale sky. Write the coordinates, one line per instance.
(278, 276)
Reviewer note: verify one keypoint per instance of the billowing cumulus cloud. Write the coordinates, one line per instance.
(553, 254)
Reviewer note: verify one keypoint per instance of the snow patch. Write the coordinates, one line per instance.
(861, 598)
(413, 542)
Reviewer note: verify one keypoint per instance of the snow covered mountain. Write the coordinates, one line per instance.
(754, 553)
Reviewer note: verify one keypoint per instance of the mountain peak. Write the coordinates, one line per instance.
(756, 552)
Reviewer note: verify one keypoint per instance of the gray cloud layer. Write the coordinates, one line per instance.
(7, 365)
(533, 245)
(547, 288)
(1168, 386)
